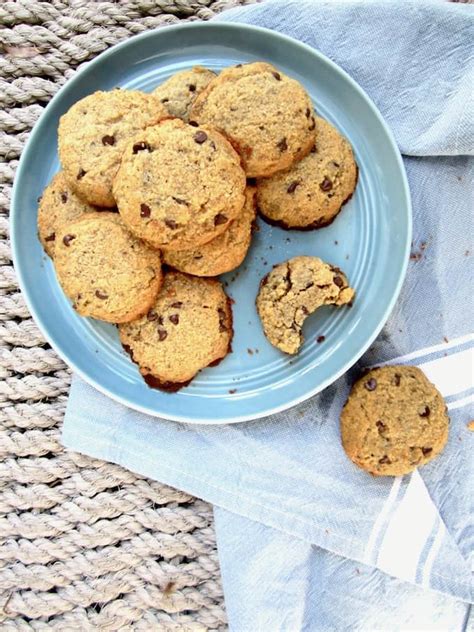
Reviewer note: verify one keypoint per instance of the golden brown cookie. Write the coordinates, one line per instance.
(58, 205)
(179, 186)
(311, 193)
(393, 421)
(188, 328)
(292, 291)
(107, 272)
(179, 92)
(222, 254)
(93, 134)
(267, 116)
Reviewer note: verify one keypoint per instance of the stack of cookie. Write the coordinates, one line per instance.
(176, 165)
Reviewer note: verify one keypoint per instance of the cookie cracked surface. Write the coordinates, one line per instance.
(179, 92)
(394, 420)
(312, 192)
(292, 291)
(93, 134)
(179, 186)
(58, 205)
(107, 272)
(267, 116)
(188, 328)
(222, 254)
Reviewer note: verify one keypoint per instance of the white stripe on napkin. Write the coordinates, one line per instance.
(435, 547)
(443, 346)
(452, 373)
(469, 399)
(405, 537)
(381, 519)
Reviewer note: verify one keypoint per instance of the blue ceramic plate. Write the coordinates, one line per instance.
(369, 240)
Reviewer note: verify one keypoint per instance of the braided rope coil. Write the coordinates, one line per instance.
(83, 544)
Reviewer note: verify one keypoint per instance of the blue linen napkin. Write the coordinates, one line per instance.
(303, 535)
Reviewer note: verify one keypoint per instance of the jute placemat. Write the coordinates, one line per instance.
(85, 545)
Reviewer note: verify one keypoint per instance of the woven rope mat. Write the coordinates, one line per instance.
(85, 545)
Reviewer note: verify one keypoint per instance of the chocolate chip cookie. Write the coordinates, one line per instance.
(189, 327)
(267, 116)
(179, 92)
(58, 205)
(311, 193)
(179, 186)
(393, 421)
(107, 272)
(292, 291)
(93, 134)
(222, 254)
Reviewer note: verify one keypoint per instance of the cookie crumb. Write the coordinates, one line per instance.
(232, 391)
(169, 588)
(470, 426)
(250, 351)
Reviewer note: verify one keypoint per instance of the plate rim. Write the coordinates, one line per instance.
(335, 375)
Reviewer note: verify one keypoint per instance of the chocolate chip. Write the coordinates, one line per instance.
(81, 174)
(314, 150)
(165, 100)
(426, 412)
(239, 66)
(192, 87)
(385, 460)
(140, 146)
(38, 199)
(338, 281)
(162, 334)
(326, 185)
(371, 384)
(63, 197)
(178, 304)
(282, 144)
(174, 318)
(291, 188)
(101, 295)
(277, 76)
(426, 451)
(151, 316)
(108, 140)
(396, 379)
(219, 219)
(194, 123)
(200, 137)
(145, 210)
(381, 427)
(171, 224)
(67, 239)
(313, 124)
(180, 201)
(51, 237)
(222, 319)
(304, 309)
(320, 339)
